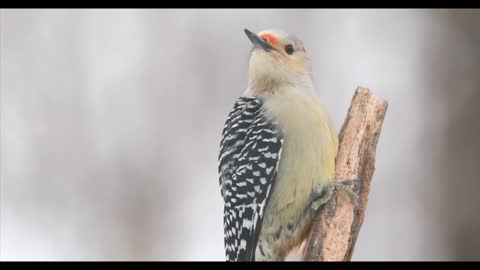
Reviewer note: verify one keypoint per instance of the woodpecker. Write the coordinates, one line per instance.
(276, 162)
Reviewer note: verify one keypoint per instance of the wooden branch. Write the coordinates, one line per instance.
(337, 223)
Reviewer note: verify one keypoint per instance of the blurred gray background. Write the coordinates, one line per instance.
(111, 121)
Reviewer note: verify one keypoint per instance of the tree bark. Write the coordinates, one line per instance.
(336, 224)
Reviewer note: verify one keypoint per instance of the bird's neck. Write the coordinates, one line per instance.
(266, 85)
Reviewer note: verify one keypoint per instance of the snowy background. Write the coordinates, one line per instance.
(111, 121)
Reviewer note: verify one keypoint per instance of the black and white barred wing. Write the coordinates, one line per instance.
(249, 155)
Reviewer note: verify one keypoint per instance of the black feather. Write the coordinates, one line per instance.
(250, 151)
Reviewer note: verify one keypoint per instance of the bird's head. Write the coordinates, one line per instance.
(277, 60)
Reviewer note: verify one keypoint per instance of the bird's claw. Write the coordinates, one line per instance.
(322, 195)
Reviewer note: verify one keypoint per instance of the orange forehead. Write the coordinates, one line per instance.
(271, 38)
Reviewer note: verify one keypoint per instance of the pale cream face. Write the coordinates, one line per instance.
(286, 63)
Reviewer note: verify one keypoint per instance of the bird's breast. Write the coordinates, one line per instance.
(309, 149)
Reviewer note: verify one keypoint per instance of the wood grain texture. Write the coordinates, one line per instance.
(337, 223)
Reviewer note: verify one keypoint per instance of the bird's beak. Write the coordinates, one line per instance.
(258, 42)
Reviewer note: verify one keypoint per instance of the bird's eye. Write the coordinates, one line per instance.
(264, 39)
(289, 49)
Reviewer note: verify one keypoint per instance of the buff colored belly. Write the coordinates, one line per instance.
(308, 159)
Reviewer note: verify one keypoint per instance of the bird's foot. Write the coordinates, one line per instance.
(322, 195)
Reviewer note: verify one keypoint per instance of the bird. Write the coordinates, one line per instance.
(277, 153)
